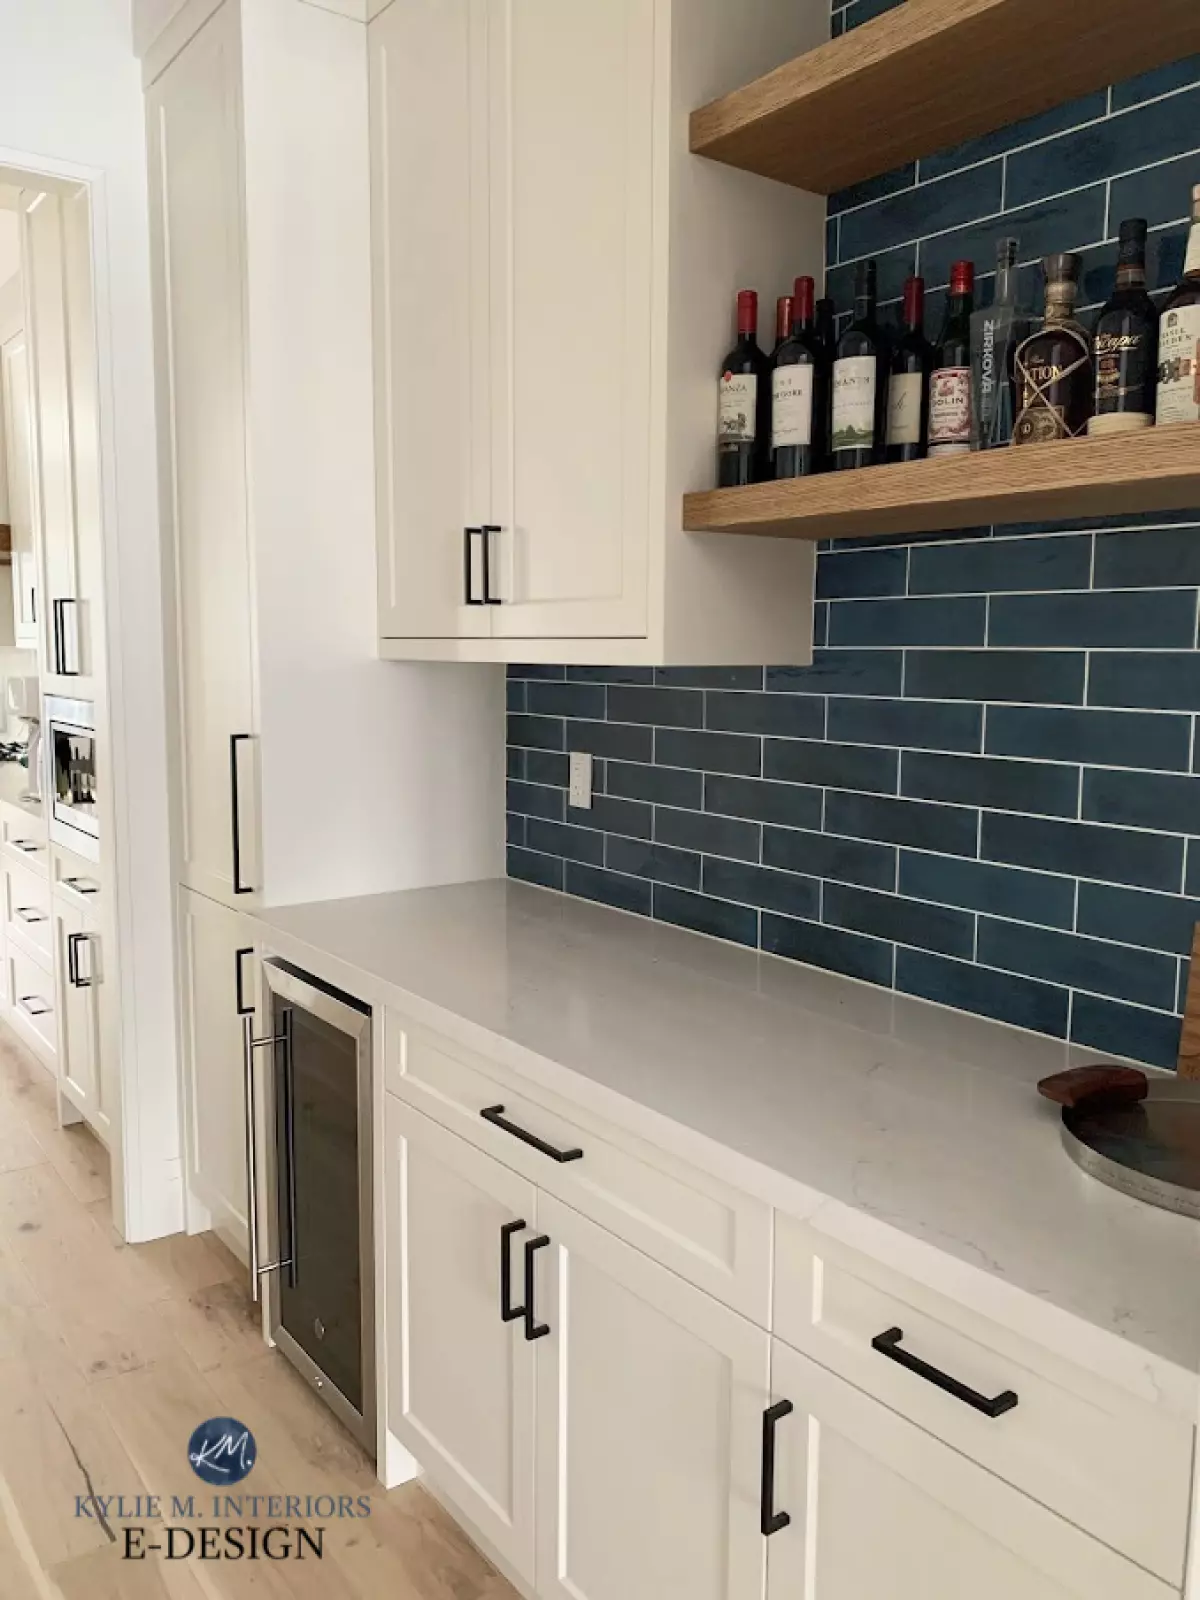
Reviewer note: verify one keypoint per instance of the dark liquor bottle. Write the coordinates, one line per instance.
(1179, 338)
(1054, 365)
(859, 397)
(1126, 343)
(950, 377)
(826, 328)
(797, 392)
(996, 331)
(908, 380)
(744, 418)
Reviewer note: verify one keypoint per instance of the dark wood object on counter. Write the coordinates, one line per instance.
(1104, 1084)
(1188, 1065)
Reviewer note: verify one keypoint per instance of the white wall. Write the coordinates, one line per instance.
(72, 105)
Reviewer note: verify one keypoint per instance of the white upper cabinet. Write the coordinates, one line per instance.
(553, 282)
(18, 442)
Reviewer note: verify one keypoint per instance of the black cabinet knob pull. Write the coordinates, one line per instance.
(770, 1520)
(888, 1344)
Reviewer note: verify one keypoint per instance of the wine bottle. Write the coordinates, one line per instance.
(908, 380)
(859, 401)
(826, 328)
(996, 331)
(950, 378)
(1125, 343)
(798, 390)
(743, 428)
(1054, 365)
(1179, 338)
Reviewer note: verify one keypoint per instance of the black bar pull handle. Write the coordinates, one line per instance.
(75, 977)
(235, 739)
(508, 1311)
(489, 599)
(770, 1520)
(495, 1115)
(469, 568)
(533, 1328)
(243, 1010)
(888, 1344)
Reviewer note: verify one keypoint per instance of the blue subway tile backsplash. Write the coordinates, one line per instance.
(981, 792)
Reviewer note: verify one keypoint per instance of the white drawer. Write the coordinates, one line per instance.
(27, 911)
(74, 880)
(31, 991)
(1103, 1459)
(23, 839)
(707, 1232)
(21, 822)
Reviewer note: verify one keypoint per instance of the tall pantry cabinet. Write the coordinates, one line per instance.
(553, 280)
(304, 768)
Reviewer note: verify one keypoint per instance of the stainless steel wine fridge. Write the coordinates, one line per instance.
(308, 1151)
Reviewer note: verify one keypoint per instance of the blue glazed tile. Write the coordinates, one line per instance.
(1064, 223)
(791, 804)
(535, 800)
(560, 839)
(1178, 75)
(912, 724)
(831, 241)
(860, 11)
(1084, 850)
(997, 565)
(1156, 681)
(544, 870)
(1148, 558)
(957, 620)
(856, 574)
(633, 818)
(881, 541)
(718, 836)
(1115, 738)
(951, 829)
(1041, 787)
(1014, 135)
(842, 672)
(610, 888)
(615, 741)
(980, 886)
(1191, 883)
(1127, 519)
(790, 716)
(832, 948)
(1020, 1001)
(886, 916)
(1030, 676)
(658, 861)
(546, 766)
(703, 915)
(842, 766)
(1117, 1030)
(820, 624)
(709, 752)
(514, 829)
(915, 212)
(514, 763)
(878, 188)
(1136, 916)
(662, 785)
(537, 672)
(709, 677)
(1106, 621)
(610, 675)
(837, 24)
(1118, 144)
(672, 708)
(820, 855)
(514, 695)
(1143, 976)
(1161, 195)
(893, 267)
(1143, 800)
(566, 699)
(535, 733)
(759, 886)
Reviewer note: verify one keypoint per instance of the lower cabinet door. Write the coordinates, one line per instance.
(877, 1507)
(649, 1417)
(460, 1378)
(77, 967)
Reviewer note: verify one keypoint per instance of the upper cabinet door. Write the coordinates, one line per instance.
(430, 270)
(195, 194)
(573, 149)
(14, 400)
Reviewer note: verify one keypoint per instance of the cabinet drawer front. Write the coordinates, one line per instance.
(23, 840)
(1100, 1457)
(32, 995)
(75, 880)
(21, 824)
(27, 911)
(709, 1233)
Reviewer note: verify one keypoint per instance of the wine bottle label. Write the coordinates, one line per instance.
(950, 411)
(1179, 365)
(792, 406)
(904, 408)
(854, 403)
(739, 408)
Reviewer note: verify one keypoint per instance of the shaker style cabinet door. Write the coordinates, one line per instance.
(78, 974)
(18, 440)
(460, 1377)
(573, 145)
(649, 1407)
(430, 275)
(879, 1507)
(196, 240)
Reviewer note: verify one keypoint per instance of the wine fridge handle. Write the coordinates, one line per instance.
(258, 1270)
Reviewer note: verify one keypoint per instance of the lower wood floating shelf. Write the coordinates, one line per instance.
(1156, 470)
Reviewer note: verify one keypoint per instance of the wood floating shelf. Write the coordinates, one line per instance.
(929, 74)
(1158, 470)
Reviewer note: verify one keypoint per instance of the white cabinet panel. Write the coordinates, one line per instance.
(18, 422)
(460, 1378)
(650, 1399)
(78, 974)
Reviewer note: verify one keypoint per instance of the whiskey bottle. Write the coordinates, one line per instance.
(950, 379)
(1053, 366)
(1179, 338)
(1126, 343)
(996, 331)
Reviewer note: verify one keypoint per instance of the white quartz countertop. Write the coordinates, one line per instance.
(903, 1128)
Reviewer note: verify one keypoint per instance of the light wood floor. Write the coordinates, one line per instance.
(111, 1354)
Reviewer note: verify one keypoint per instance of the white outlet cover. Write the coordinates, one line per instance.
(580, 796)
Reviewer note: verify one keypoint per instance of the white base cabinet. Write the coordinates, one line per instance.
(78, 976)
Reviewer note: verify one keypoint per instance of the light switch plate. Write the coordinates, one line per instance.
(580, 796)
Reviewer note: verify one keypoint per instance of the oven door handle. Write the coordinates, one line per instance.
(258, 1268)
